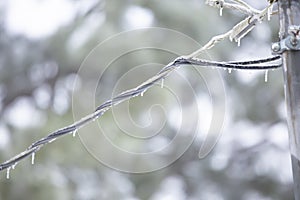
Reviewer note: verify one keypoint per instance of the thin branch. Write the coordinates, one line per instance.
(242, 3)
(240, 30)
(238, 5)
(211, 43)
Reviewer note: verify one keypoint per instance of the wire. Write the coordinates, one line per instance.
(160, 76)
(265, 60)
(234, 65)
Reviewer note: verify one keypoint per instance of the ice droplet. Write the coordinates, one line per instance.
(8, 172)
(162, 83)
(32, 158)
(266, 76)
(229, 70)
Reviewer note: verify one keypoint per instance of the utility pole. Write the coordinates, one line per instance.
(289, 47)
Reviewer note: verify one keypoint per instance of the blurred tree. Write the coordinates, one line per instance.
(250, 161)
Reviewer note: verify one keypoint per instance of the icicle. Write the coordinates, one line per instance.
(238, 42)
(270, 9)
(8, 172)
(162, 83)
(142, 94)
(221, 11)
(74, 132)
(14, 165)
(266, 76)
(32, 158)
(229, 70)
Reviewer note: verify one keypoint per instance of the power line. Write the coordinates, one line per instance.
(139, 90)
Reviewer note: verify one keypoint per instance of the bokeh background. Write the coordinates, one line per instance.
(43, 44)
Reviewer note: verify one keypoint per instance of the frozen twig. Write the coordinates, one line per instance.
(239, 5)
(240, 30)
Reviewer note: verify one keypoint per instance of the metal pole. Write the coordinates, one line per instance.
(289, 16)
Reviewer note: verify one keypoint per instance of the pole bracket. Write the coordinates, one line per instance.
(290, 43)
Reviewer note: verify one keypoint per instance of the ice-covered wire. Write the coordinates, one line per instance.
(160, 76)
(249, 65)
(236, 33)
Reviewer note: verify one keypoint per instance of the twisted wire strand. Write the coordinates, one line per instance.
(100, 110)
(250, 65)
(251, 62)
